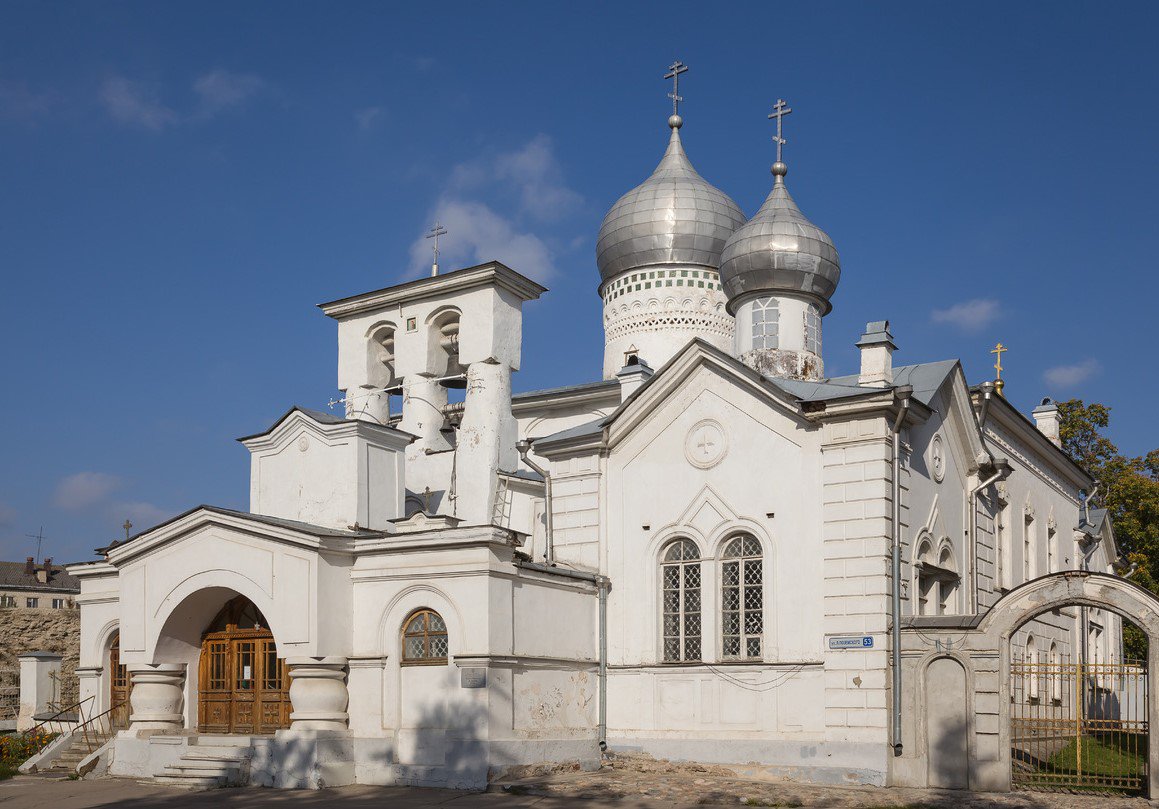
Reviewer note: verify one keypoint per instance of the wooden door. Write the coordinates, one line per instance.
(243, 687)
(118, 686)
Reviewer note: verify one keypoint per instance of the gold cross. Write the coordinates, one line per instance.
(998, 350)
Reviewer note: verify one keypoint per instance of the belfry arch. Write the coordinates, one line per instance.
(982, 645)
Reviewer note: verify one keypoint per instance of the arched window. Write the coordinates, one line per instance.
(937, 579)
(741, 598)
(424, 639)
(680, 584)
(1032, 668)
(1055, 672)
(766, 326)
(813, 329)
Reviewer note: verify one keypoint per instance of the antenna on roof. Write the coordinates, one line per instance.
(39, 537)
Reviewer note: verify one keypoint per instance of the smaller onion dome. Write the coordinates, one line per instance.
(673, 217)
(779, 250)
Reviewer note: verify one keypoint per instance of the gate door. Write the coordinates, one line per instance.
(1078, 726)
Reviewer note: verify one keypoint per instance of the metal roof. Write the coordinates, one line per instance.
(673, 217)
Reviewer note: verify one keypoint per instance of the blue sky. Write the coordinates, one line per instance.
(182, 182)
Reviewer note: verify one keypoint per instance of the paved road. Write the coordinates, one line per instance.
(32, 792)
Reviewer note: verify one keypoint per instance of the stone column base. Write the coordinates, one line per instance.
(158, 697)
(318, 693)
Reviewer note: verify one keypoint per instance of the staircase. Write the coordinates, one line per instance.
(209, 763)
(79, 748)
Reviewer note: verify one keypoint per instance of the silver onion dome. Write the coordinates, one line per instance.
(779, 250)
(673, 217)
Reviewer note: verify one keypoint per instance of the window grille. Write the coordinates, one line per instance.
(424, 639)
(742, 597)
(766, 326)
(680, 583)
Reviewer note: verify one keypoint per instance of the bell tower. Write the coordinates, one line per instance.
(461, 329)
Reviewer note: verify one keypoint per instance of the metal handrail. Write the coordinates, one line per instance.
(56, 719)
(104, 729)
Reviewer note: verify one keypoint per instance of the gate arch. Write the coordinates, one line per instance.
(1070, 589)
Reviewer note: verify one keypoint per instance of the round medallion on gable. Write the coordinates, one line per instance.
(303, 443)
(937, 459)
(706, 444)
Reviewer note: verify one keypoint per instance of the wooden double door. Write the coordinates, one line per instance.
(243, 687)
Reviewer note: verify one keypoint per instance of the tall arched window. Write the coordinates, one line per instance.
(741, 598)
(424, 639)
(1032, 668)
(766, 326)
(1055, 672)
(680, 584)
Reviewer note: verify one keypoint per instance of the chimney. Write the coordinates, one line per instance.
(29, 566)
(1046, 420)
(633, 375)
(876, 355)
(43, 573)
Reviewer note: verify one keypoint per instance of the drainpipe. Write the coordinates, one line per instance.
(524, 447)
(603, 583)
(902, 394)
(1002, 470)
(1087, 504)
(987, 389)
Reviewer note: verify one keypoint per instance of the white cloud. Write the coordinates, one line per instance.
(973, 315)
(135, 104)
(529, 182)
(1068, 376)
(142, 515)
(368, 117)
(84, 490)
(480, 234)
(537, 175)
(220, 90)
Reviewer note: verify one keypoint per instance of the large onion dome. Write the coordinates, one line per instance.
(673, 217)
(778, 251)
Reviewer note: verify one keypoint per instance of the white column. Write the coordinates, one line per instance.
(318, 693)
(423, 401)
(486, 441)
(39, 686)
(90, 678)
(158, 697)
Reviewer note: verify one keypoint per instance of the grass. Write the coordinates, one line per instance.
(1112, 755)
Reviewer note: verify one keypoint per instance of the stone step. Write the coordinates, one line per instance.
(186, 782)
(221, 740)
(239, 756)
(202, 770)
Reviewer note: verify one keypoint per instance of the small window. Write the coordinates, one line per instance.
(7, 601)
(58, 603)
(32, 602)
(813, 330)
(766, 325)
(424, 639)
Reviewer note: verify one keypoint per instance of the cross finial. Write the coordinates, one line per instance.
(998, 350)
(780, 110)
(128, 526)
(674, 71)
(434, 233)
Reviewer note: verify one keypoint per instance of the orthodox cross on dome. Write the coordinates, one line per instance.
(128, 526)
(434, 233)
(674, 71)
(780, 110)
(998, 350)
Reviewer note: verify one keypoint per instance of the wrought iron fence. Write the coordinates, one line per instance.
(1079, 726)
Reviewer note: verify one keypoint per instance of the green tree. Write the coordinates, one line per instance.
(1128, 489)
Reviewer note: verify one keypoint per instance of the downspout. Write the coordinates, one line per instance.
(602, 583)
(524, 447)
(903, 394)
(1002, 469)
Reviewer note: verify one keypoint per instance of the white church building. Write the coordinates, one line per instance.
(692, 557)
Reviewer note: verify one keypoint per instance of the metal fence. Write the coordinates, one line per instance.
(1079, 726)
